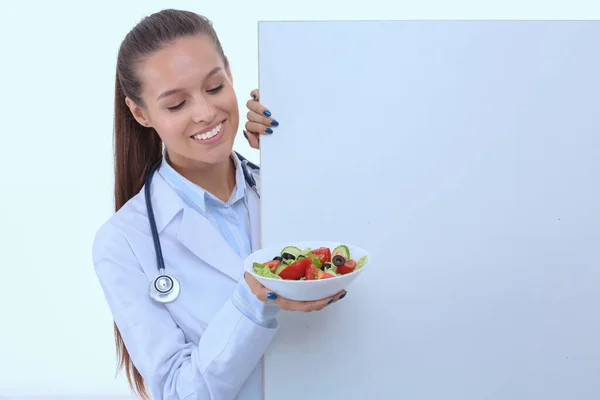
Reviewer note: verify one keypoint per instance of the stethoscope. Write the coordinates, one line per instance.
(165, 288)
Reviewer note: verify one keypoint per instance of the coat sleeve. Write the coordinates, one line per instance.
(215, 367)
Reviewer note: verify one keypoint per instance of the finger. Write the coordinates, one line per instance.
(285, 304)
(258, 108)
(262, 292)
(308, 306)
(266, 295)
(253, 139)
(255, 127)
(255, 94)
(320, 304)
(266, 121)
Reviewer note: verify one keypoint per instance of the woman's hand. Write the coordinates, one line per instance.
(259, 122)
(265, 294)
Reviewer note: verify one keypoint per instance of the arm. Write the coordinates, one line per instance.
(215, 367)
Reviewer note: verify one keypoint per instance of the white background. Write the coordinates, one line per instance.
(57, 68)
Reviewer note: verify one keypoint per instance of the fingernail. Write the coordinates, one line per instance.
(253, 96)
(329, 302)
(269, 130)
(245, 135)
(271, 296)
(267, 113)
(274, 123)
(342, 296)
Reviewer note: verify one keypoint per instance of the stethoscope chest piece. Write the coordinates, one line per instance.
(164, 288)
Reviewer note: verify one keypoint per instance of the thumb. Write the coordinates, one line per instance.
(253, 139)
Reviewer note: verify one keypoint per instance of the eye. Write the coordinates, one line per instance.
(216, 90)
(177, 107)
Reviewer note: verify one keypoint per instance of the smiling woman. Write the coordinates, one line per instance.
(176, 110)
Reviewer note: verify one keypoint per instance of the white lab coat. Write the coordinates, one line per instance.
(200, 346)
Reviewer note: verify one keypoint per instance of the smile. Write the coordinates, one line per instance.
(209, 134)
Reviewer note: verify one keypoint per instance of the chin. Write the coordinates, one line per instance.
(219, 153)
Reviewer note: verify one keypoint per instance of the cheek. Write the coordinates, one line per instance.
(229, 103)
(170, 127)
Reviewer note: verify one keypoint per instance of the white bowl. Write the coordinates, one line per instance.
(305, 290)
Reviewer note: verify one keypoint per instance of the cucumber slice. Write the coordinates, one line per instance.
(280, 268)
(293, 250)
(341, 250)
(360, 263)
(306, 251)
(332, 270)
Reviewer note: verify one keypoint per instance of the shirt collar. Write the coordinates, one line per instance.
(194, 194)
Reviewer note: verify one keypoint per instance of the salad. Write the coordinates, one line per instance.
(308, 264)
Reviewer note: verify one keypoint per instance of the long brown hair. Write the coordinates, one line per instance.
(137, 147)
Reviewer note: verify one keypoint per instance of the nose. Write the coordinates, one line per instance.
(204, 111)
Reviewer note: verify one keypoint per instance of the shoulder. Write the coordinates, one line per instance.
(111, 238)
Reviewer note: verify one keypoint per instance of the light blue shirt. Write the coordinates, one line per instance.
(232, 220)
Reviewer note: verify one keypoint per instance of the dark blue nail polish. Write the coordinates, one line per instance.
(253, 96)
(267, 113)
(271, 296)
(245, 135)
(342, 296)
(329, 302)
(274, 123)
(269, 130)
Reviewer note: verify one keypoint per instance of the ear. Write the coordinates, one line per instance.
(138, 112)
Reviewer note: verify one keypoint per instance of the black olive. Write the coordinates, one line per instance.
(278, 259)
(288, 256)
(300, 257)
(338, 260)
(326, 265)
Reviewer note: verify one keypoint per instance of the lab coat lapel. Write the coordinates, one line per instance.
(202, 238)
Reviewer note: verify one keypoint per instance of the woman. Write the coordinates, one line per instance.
(174, 88)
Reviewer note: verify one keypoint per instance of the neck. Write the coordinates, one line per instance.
(218, 179)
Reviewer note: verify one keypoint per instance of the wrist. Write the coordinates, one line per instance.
(261, 312)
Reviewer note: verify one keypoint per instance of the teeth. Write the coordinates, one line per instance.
(208, 135)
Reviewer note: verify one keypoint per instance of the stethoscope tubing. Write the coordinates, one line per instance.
(172, 290)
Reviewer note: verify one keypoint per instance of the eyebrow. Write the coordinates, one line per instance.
(173, 91)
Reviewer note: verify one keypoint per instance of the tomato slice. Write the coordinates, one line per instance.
(313, 273)
(348, 267)
(323, 254)
(272, 264)
(296, 270)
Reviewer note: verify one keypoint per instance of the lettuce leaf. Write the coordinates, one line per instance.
(315, 260)
(263, 270)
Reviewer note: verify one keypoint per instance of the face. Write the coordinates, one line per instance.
(189, 100)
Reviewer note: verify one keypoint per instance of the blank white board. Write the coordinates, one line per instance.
(465, 155)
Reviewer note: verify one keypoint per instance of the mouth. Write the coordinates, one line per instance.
(210, 135)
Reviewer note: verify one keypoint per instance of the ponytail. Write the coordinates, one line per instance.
(136, 148)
